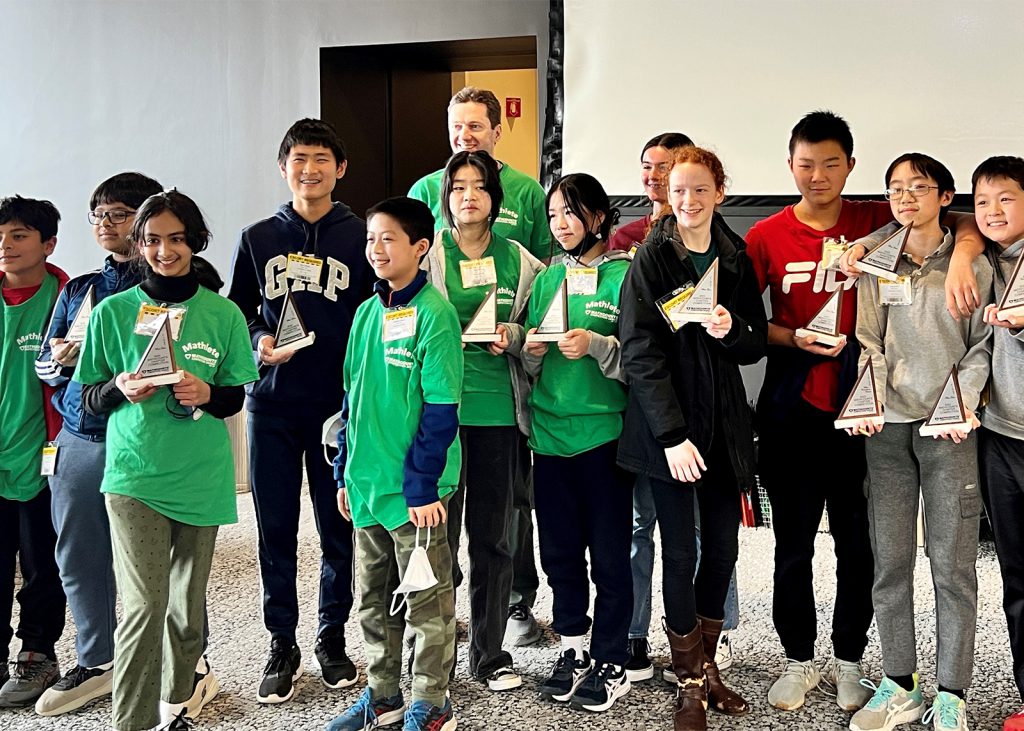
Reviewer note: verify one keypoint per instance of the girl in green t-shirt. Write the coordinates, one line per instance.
(169, 474)
(488, 279)
(583, 499)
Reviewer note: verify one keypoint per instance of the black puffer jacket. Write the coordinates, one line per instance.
(682, 383)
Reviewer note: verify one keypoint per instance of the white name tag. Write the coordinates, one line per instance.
(304, 268)
(478, 272)
(49, 464)
(897, 292)
(146, 322)
(581, 280)
(399, 323)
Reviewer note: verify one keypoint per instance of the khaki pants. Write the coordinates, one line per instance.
(162, 568)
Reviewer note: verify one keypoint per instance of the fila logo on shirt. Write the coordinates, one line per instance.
(798, 272)
(277, 282)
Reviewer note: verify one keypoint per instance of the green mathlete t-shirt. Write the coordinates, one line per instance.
(387, 384)
(523, 217)
(487, 386)
(180, 467)
(22, 424)
(575, 406)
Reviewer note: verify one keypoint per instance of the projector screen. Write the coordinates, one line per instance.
(942, 77)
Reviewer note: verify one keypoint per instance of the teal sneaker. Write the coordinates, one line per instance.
(889, 706)
(369, 713)
(948, 713)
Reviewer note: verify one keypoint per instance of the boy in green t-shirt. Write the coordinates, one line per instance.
(28, 234)
(398, 461)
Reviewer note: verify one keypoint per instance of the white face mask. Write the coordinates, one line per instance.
(329, 435)
(419, 574)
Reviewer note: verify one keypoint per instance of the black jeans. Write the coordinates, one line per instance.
(485, 498)
(585, 503)
(807, 466)
(718, 496)
(27, 535)
(1002, 473)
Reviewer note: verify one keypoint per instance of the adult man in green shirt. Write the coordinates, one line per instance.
(474, 123)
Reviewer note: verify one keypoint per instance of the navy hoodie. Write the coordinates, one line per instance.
(310, 384)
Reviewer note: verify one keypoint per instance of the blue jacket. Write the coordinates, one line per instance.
(309, 385)
(114, 277)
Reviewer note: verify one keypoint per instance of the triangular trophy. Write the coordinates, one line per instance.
(1012, 301)
(555, 322)
(825, 324)
(76, 333)
(884, 259)
(948, 413)
(862, 402)
(291, 330)
(157, 366)
(698, 307)
(482, 326)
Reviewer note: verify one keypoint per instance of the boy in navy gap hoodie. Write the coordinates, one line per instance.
(298, 391)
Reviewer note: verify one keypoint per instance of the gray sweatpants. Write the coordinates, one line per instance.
(900, 463)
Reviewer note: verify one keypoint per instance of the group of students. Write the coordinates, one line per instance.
(618, 415)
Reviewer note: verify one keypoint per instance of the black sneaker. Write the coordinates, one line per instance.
(566, 676)
(603, 685)
(284, 666)
(338, 671)
(178, 723)
(639, 666)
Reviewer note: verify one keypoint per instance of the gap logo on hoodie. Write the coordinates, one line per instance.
(277, 283)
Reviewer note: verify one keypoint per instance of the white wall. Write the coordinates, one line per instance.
(194, 93)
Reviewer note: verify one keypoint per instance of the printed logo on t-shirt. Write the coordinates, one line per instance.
(508, 216)
(202, 352)
(506, 296)
(399, 357)
(799, 272)
(602, 310)
(277, 282)
(30, 342)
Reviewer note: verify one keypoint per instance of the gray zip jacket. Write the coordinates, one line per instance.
(1004, 413)
(529, 266)
(913, 347)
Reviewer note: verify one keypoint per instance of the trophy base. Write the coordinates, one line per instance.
(686, 317)
(1016, 311)
(877, 271)
(544, 337)
(296, 344)
(877, 421)
(481, 337)
(168, 379)
(927, 430)
(823, 338)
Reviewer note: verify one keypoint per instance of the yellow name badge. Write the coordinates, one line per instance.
(581, 280)
(146, 321)
(671, 307)
(304, 268)
(632, 251)
(895, 293)
(49, 463)
(832, 251)
(399, 323)
(478, 272)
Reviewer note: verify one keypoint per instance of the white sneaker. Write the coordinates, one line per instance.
(890, 706)
(790, 691)
(845, 677)
(723, 653)
(504, 679)
(948, 713)
(205, 687)
(521, 628)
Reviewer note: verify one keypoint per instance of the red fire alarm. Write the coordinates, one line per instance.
(513, 107)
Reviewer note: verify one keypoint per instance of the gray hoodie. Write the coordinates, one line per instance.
(1004, 413)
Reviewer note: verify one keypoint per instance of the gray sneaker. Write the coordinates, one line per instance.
(77, 688)
(522, 628)
(33, 673)
(790, 691)
(844, 677)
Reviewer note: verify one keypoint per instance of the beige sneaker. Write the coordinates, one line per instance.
(790, 691)
(845, 677)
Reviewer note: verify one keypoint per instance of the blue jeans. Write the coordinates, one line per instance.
(642, 560)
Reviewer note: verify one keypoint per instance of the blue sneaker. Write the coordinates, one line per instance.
(422, 716)
(369, 713)
(948, 713)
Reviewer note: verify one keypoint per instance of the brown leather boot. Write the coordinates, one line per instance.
(691, 713)
(720, 698)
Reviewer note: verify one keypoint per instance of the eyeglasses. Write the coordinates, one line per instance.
(894, 194)
(115, 217)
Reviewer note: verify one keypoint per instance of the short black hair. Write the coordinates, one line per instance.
(39, 215)
(668, 140)
(128, 188)
(484, 164)
(312, 132)
(197, 233)
(585, 197)
(928, 166)
(999, 166)
(412, 215)
(822, 125)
